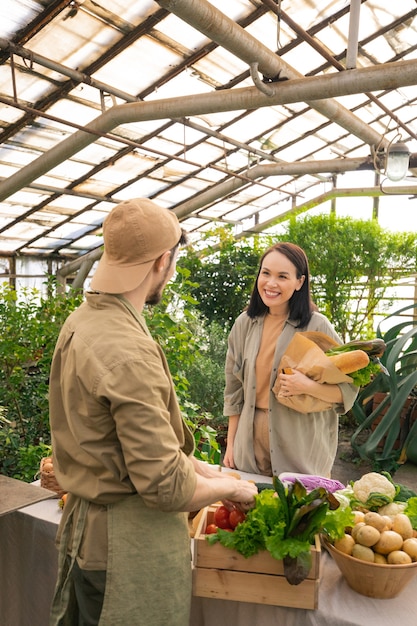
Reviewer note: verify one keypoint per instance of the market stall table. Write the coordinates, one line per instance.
(28, 569)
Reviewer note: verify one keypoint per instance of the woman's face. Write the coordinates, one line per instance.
(277, 281)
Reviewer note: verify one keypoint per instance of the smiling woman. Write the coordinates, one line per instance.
(263, 435)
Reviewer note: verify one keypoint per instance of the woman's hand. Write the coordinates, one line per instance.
(297, 383)
(294, 384)
(228, 460)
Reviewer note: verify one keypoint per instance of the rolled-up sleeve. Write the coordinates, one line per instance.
(233, 392)
(349, 393)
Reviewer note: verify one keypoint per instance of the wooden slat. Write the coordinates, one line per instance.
(256, 588)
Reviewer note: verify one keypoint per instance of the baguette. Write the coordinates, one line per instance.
(348, 362)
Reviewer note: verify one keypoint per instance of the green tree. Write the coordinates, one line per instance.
(206, 373)
(353, 263)
(172, 324)
(223, 276)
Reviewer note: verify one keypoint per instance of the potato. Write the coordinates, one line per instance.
(233, 475)
(410, 547)
(359, 516)
(388, 522)
(388, 542)
(398, 557)
(367, 535)
(401, 524)
(356, 528)
(345, 544)
(376, 520)
(363, 553)
(380, 558)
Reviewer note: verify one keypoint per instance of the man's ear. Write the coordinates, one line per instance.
(162, 262)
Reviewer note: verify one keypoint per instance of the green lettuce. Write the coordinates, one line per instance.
(411, 511)
(285, 521)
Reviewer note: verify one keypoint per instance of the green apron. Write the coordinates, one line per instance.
(148, 579)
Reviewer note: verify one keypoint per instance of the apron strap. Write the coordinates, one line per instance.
(60, 616)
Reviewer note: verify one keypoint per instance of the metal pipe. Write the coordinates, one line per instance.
(264, 170)
(225, 32)
(352, 45)
(79, 77)
(388, 76)
(326, 197)
(221, 190)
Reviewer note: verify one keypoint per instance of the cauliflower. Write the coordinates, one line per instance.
(376, 485)
(392, 509)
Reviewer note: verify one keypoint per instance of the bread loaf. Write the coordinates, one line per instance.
(348, 362)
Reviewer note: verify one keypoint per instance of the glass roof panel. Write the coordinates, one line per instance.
(185, 35)
(93, 56)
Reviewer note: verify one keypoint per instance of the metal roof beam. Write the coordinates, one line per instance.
(388, 76)
(222, 190)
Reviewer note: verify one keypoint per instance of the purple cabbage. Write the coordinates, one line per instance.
(310, 481)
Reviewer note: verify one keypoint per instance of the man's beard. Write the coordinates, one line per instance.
(156, 295)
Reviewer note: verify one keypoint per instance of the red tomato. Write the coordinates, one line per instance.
(236, 517)
(221, 517)
(211, 529)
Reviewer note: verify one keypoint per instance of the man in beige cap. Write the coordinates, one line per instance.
(120, 446)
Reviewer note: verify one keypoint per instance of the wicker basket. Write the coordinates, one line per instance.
(47, 476)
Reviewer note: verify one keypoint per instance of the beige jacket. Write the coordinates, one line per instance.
(303, 443)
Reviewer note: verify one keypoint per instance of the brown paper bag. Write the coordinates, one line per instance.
(305, 353)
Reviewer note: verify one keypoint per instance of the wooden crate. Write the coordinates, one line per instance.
(223, 573)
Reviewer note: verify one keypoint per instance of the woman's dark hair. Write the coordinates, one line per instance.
(301, 304)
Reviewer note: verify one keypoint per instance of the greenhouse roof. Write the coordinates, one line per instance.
(239, 112)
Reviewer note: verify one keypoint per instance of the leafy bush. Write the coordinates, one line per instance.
(205, 436)
(205, 373)
(29, 327)
(223, 277)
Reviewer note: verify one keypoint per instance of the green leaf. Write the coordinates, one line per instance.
(411, 511)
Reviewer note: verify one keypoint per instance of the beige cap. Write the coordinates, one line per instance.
(136, 232)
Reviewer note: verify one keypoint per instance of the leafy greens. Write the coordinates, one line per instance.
(285, 521)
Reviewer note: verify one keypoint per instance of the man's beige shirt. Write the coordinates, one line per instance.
(115, 421)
